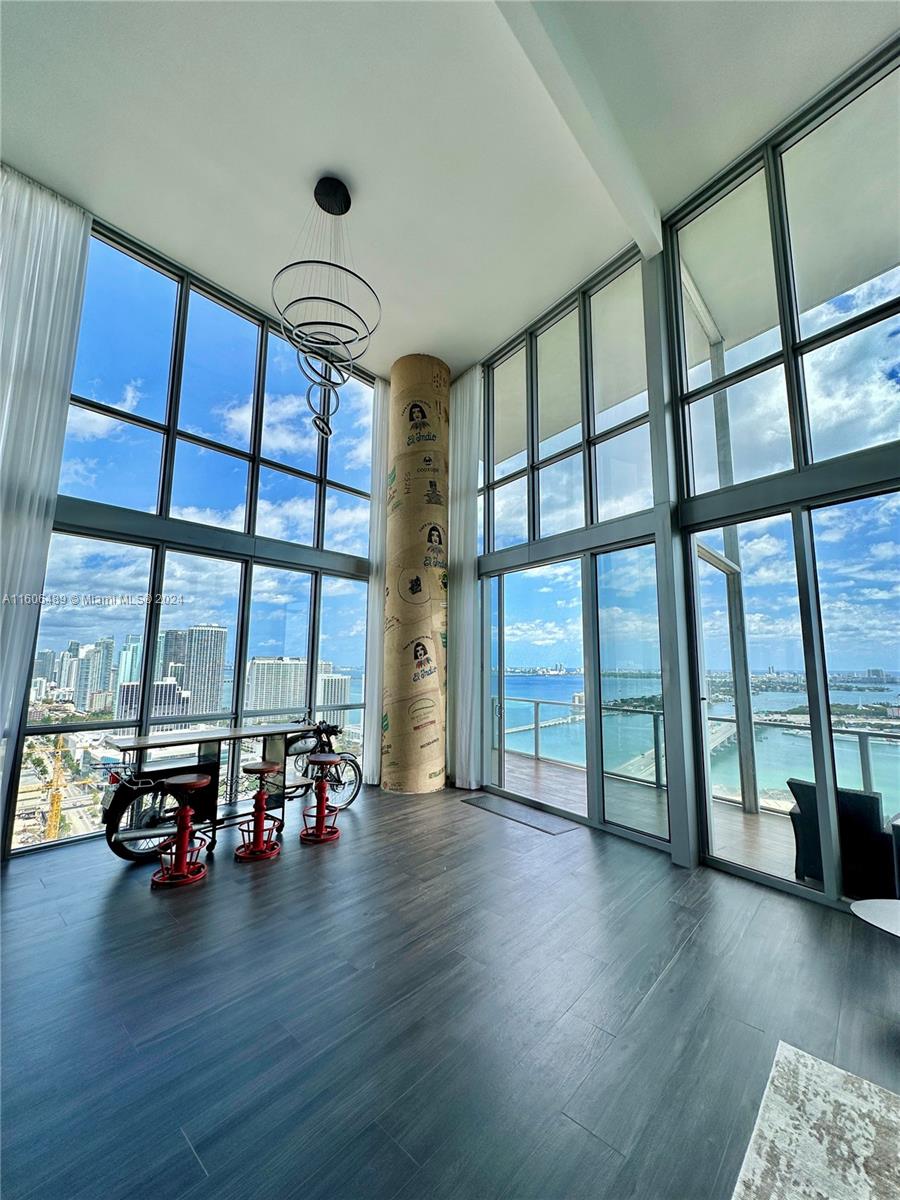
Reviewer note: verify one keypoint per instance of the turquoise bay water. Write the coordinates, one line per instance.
(780, 753)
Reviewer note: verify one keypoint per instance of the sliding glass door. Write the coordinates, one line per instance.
(633, 736)
(542, 706)
(760, 782)
(574, 686)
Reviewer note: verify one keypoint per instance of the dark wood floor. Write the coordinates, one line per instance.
(444, 1004)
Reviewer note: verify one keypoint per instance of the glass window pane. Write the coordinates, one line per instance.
(187, 757)
(113, 462)
(125, 339)
(634, 768)
(511, 513)
(350, 445)
(287, 435)
(858, 565)
(559, 386)
(340, 677)
(61, 785)
(618, 358)
(543, 692)
(742, 432)
(479, 534)
(286, 507)
(208, 487)
(562, 496)
(755, 703)
(346, 523)
(219, 369)
(510, 423)
(853, 390)
(278, 640)
(91, 632)
(193, 669)
(728, 284)
(842, 182)
(624, 478)
(350, 720)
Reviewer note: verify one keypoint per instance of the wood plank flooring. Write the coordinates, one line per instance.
(763, 841)
(444, 1004)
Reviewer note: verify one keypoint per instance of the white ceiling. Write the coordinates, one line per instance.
(200, 128)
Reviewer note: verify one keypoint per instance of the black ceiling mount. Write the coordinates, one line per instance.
(332, 196)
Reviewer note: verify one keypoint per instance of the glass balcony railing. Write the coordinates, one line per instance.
(554, 731)
(865, 759)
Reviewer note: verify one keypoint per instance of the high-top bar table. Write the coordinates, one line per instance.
(276, 738)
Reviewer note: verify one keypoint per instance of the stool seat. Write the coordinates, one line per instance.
(261, 768)
(187, 783)
(323, 760)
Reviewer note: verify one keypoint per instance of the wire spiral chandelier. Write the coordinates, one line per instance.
(328, 312)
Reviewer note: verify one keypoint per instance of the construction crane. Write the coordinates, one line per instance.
(51, 832)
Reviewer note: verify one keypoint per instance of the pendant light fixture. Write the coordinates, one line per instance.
(328, 312)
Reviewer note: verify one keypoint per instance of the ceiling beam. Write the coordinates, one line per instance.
(569, 80)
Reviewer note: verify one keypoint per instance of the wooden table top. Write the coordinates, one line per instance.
(193, 737)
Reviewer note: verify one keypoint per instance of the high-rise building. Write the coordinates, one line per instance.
(276, 683)
(130, 662)
(168, 700)
(204, 666)
(104, 650)
(171, 649)
(82, 685)
(44, 663)
(332, 690)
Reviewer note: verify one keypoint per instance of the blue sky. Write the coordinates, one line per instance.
(123, 361)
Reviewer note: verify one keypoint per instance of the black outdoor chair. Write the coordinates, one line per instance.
(866, 848)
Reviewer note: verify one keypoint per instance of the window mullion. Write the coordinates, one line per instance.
(787, 309)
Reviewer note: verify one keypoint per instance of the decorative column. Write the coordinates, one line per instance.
(415, 594)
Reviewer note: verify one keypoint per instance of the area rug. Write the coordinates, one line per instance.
(523, 814)
(821, 1134)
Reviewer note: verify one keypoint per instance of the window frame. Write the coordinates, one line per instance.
(579, 300)
(161, 533)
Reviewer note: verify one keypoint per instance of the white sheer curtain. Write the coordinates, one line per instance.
(42, 267)
(463, 634)
(375, 608)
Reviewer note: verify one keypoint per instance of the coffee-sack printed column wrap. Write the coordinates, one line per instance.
(415, 603)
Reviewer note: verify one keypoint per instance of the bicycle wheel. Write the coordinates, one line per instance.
(144, 812)
(344, 782)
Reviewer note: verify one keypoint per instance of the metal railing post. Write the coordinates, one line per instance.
(865, 761)
(657, 750)
(536, 705)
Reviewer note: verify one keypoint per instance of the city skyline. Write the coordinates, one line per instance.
(81, 673)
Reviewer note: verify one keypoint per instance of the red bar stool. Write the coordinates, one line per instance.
(316, 826)
(258, 834)
(179, 855)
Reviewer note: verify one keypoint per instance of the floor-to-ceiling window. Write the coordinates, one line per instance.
(785, 301)
(209, 559)
(574, 680)
(767, 502)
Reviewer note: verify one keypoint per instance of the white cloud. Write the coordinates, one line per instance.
(85, 425)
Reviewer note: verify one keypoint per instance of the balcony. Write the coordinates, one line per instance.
(544, 759)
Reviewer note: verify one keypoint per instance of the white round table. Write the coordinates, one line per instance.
(885, 914)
